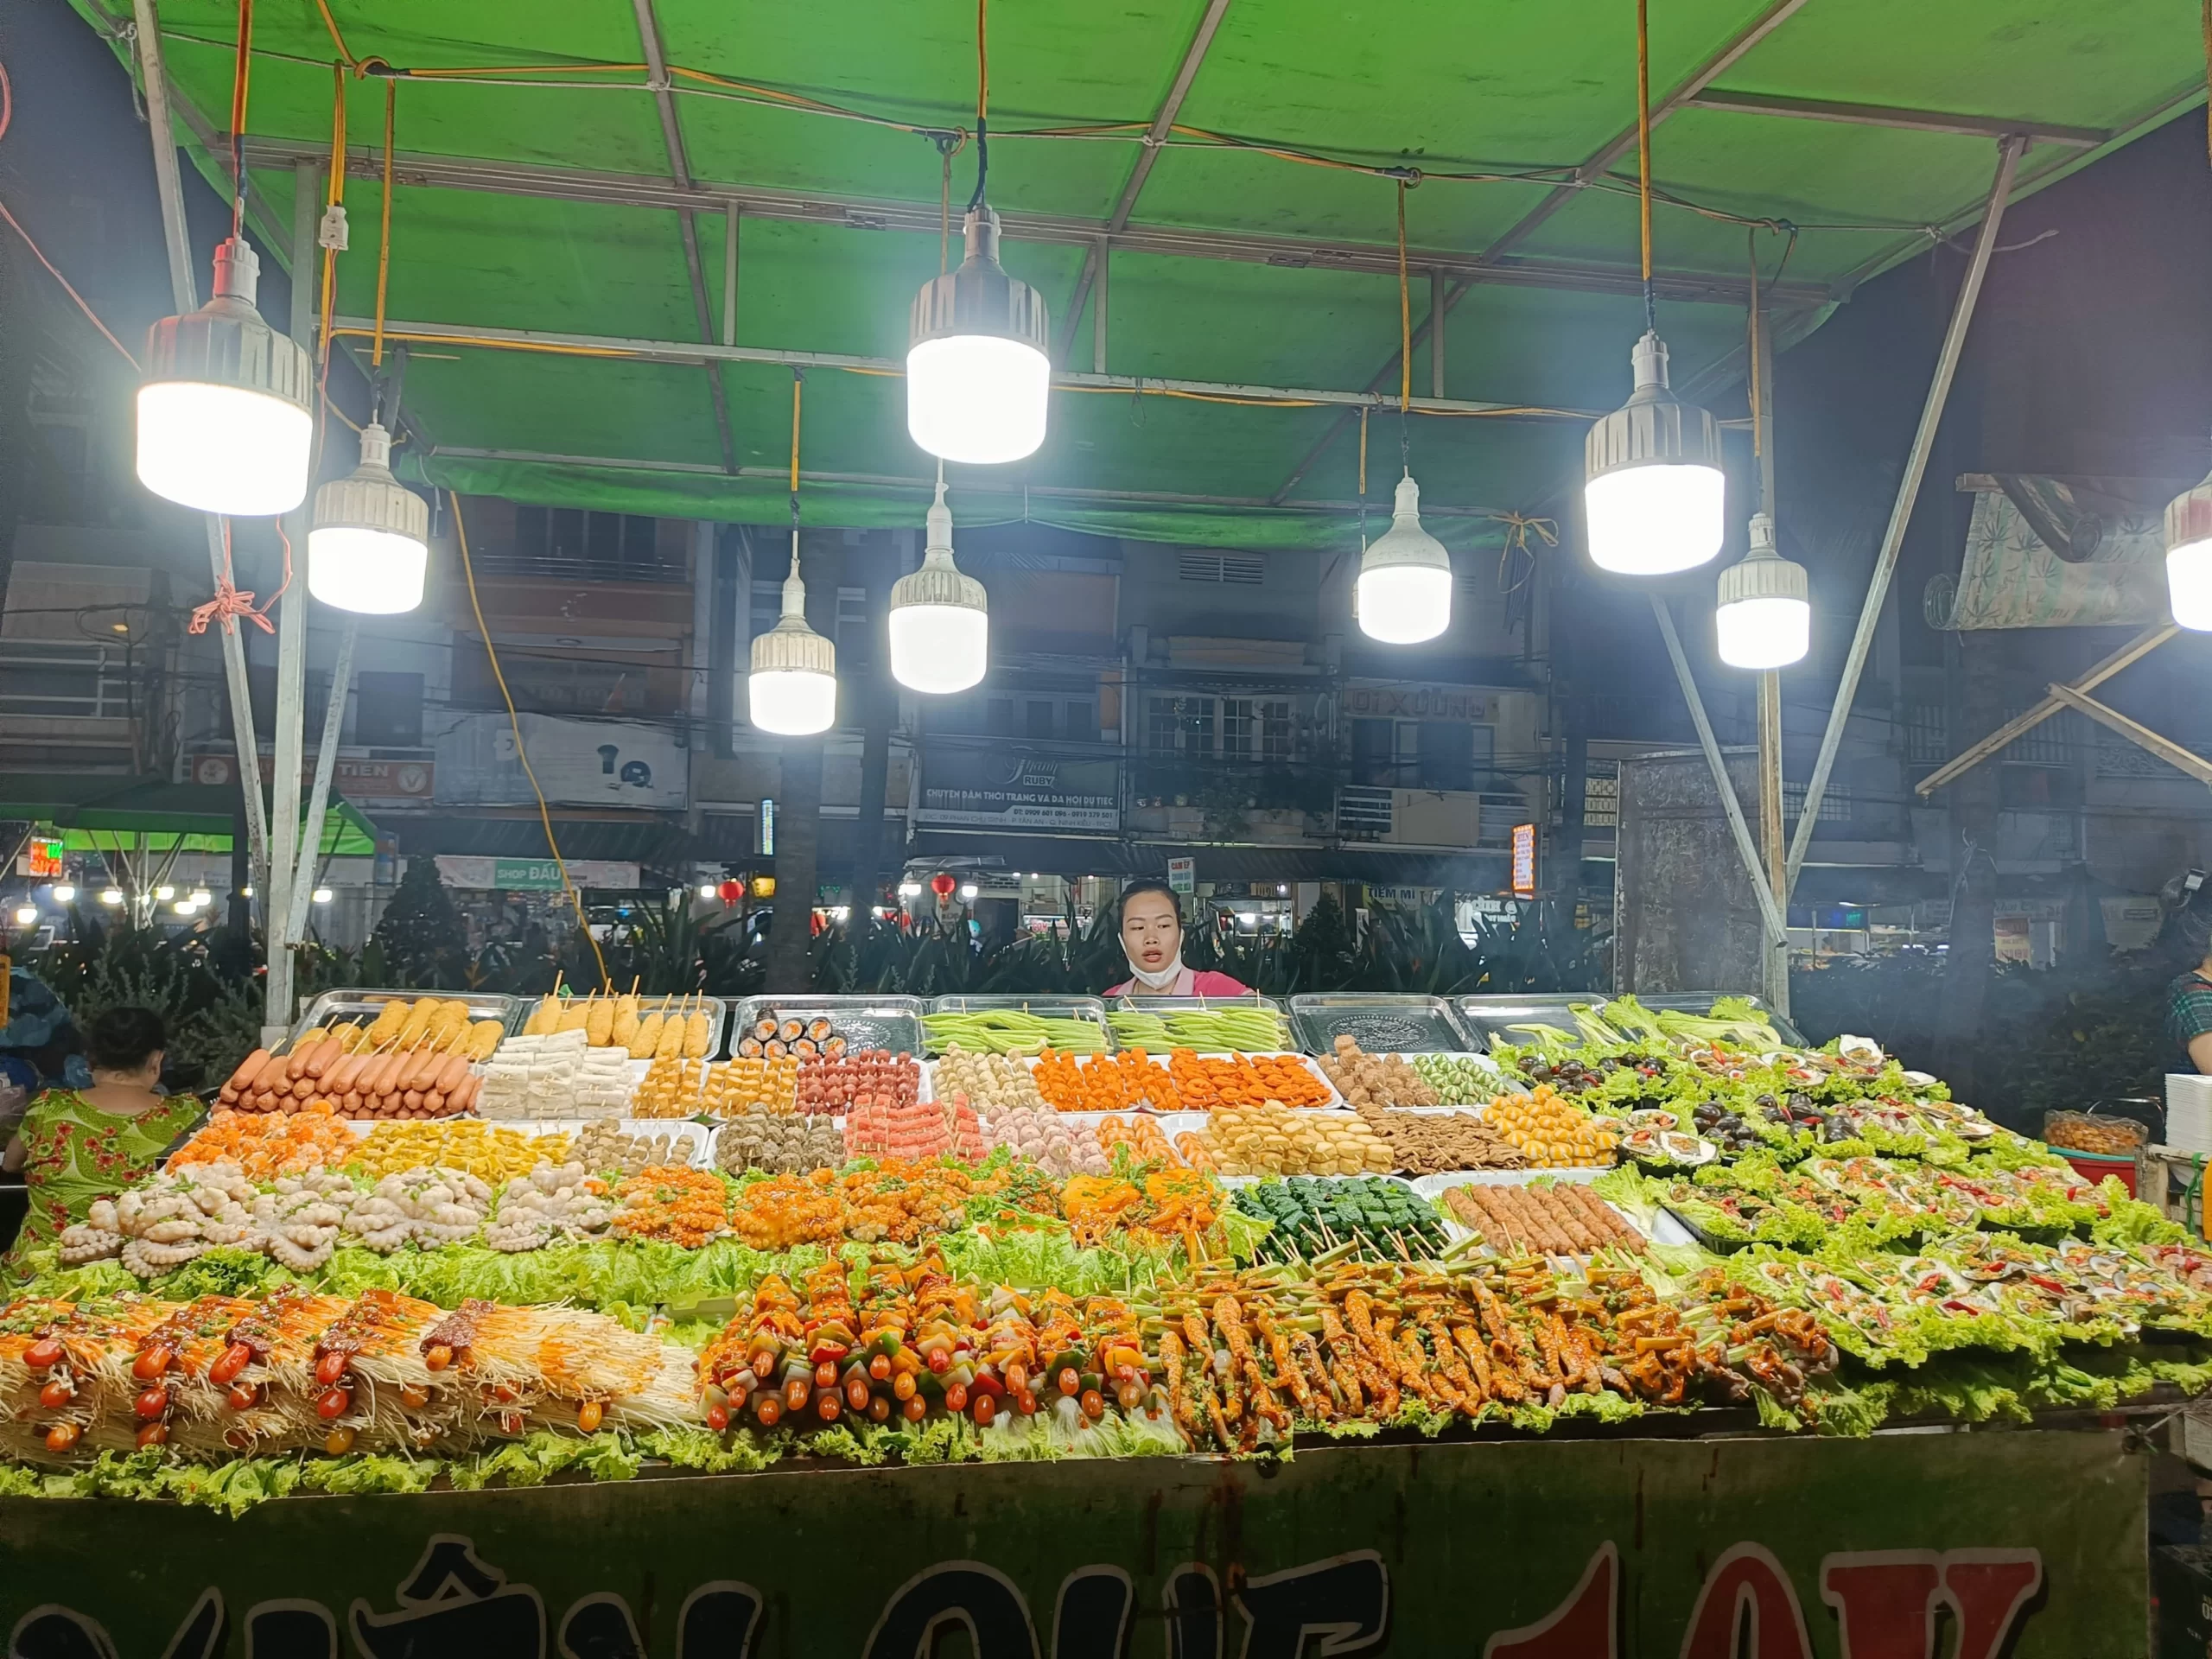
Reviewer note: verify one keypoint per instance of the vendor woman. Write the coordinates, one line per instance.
(1152, 938)
(2189, 999)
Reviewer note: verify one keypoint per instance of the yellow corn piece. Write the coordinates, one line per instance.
(418, 1021)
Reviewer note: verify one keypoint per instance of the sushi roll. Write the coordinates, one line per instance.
(834, 1048)
(749, 1049)
(774, 1050)
(818, 1030)
(764, 1029)
(791, 1030)
(805, 1048)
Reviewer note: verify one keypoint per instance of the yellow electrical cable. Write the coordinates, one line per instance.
(522, 754)
(334, 196)
(383, 238)
(1405, 312)
(1363, 452)
(1643, 135)
(241, 77)
(336, 39)
(798, 384)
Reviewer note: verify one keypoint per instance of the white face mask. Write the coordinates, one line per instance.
(1163, 983)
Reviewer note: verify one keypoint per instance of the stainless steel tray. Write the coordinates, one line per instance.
(1488, 1018)
(716, 1010)
(1045, 1007)
(865, 1022)
(365, 1005)
(1165, 1006)
(1381, 1022)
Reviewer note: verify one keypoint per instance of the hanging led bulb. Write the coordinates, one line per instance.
(370, 547)
(1405, 578)
(1765, 617)
(224, 421)
(977, 377)
(940, 619)
(1653, 496)
(793, 684)
(2188, 556)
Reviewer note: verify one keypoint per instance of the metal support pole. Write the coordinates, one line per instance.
(1438, 304)
(1100, 260)
(730, 275)
(184, 294)
(291, 656)
(1772, 845)
(1777, 935)
(325, 765)
(2126, 656)
(1916, 467)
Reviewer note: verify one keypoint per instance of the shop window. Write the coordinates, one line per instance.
(1083, 722)
(1256, 729)
(1180, 725)
(1236, 569)
(388, 711)
(999, 716)
(1445, 754)
(1037, 719)
(852, 636)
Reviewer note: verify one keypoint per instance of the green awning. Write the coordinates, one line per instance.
(108, 815)
(538, 191)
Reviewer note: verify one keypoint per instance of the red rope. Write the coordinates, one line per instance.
(231, 601)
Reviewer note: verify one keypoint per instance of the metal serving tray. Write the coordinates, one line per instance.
(1488, 1018)
(865, 1022)
(1379, 1021)
(1091, 1008)
(365, 1005)
(1164, 1006)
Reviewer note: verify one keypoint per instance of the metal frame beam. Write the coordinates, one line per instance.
(1915, 469)
(1965, 762)
(1776, 14)
(921, 485)
(678, 351)
(921, 219)
(672, 133)
(1162, 123)
(2172, 754)
(1882, 115)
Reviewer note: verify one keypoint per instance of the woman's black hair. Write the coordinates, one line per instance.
(123, 1040)
(1154, 884)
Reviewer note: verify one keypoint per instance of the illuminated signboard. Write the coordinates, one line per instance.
(1524, 861)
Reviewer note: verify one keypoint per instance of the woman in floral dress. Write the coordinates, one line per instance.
(74, 1146)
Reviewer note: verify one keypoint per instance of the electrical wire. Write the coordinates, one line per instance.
(383, 234)
(1644, 156)
(522, 752)
(241, 79)
(983, 103)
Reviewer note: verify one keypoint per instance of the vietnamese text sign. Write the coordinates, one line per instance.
(1013, 787)
(1531, 1550)
(577, 763)
(1389, 701)
(532, 875)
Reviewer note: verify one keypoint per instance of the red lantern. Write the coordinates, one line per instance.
(943, 885)
(730, 891)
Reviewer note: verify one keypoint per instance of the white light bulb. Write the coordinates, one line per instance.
(1655, 519)
(707, 890)
(792, 702)
(26, 914)
(201, 896)
(374, 572)
(939, 648)
(910, 889)
(977, 398)
(164, 893)
(246, 892)
(1763, 634)
(64, 893)
(321, 895)
(968, 891)
(2188, 585)
(223, 420)
(1404, 593)
(182, 907)
(110, 896)
(223, 449)
(1655, 499)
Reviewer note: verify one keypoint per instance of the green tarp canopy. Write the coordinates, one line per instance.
(561, 172)
(108, 815)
